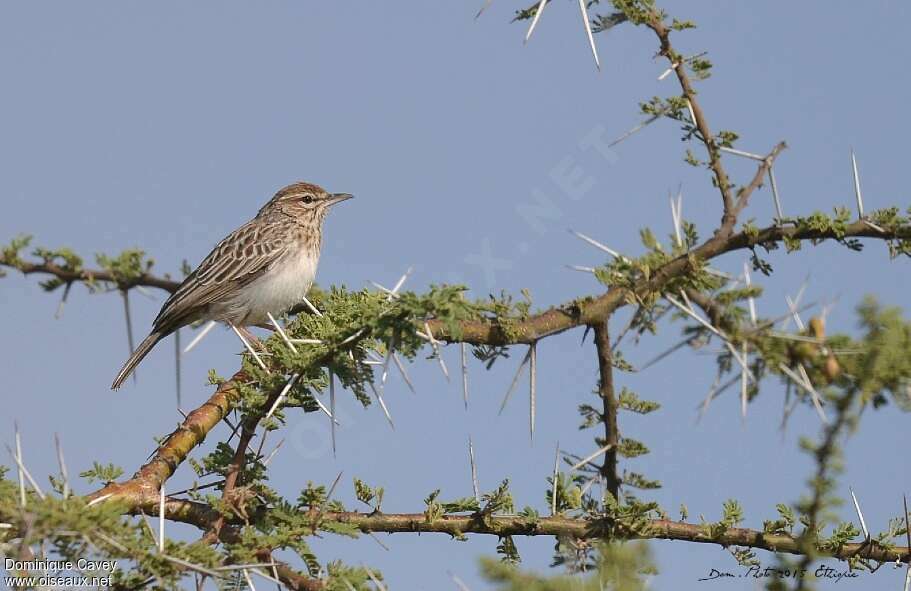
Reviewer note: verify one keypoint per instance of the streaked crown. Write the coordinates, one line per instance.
(299, 199)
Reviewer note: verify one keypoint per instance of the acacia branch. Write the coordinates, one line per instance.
(679, 65)
(200, 515)
(609, 408)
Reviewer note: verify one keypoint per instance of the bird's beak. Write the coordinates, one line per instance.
(339, 197)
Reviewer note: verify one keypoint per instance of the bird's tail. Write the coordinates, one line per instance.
(141, 351)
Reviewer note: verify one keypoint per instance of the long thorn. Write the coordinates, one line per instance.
(249, 347)
(532, 387)
(474, 471)
(596, 244)
(62, 463)
(281, 332)
(749, 283)
(588, 33)
(281, 396)
(534, 21)
(66, 292)
(486, 5)
(464, 351)
(17, 457)
(161, 519)
(311, 306)
(775, 195)
(743, 384)
(857, 193)
(553, 492)
(436, 349)
(586, 460)
(741, 153)
(636, 128)
(200, 336)
(332, 408)
(515, 380)
(22, 497)
(129, 320)
(860, 515)
(379, 398)
(401, 366)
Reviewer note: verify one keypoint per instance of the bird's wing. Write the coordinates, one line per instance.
(241, 257)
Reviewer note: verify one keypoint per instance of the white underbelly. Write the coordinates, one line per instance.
(273, 293)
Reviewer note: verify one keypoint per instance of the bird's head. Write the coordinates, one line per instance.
(303, 200)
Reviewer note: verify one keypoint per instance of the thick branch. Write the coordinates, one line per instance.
(175, 449)
(515, 525)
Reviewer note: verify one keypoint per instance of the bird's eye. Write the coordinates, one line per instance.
(308, 198)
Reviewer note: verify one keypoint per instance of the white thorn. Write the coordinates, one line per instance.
(806, 385)
(281, 396)
(249, 580)
(436, 348)
(515, 380)
(400, 282)
(401, 366)
(62, 463)
(741, 153)
(676, 210)
(667, 72)
(249, 347)
(311, 306)
(532, 385)
(199, 336)
(18, 458)
(597, 244)
(534, 21)
(474, 471)
(273, 452)
(689, 106)
(860, 515)
(307, 341)
(636, 128)
(464, 356)
(382, 402)
(857, 193)
(749, 283)
(553, 492)
(353, 336)
(743, 384)
(100, 499)
(161, 519)
(586, 460)
(459, 583)
(588, 33)
(376, 581)
(775, 195)
(581, 268)
(486, 5)
(281, 332)
(792, 307)
(332, 408)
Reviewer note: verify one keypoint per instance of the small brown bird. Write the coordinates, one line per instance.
(264, 267)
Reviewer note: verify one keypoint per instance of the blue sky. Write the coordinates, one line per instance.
(165, 126)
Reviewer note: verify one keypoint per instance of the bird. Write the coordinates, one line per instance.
(264, 267)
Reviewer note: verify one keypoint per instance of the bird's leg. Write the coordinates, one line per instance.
(251, 338)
